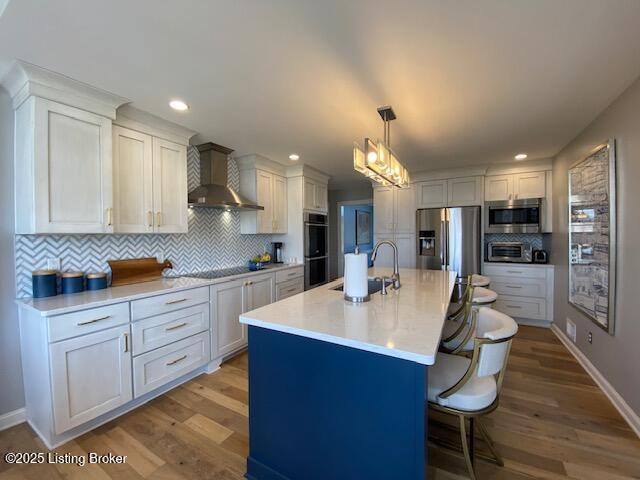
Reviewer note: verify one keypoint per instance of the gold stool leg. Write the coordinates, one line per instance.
(490, 444)
(465, 447)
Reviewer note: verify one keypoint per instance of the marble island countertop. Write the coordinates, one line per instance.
(61, 304)
(406, 323)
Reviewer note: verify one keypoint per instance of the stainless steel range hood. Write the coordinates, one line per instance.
(213, 191)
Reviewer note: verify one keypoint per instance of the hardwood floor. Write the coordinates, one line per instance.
(553, 423)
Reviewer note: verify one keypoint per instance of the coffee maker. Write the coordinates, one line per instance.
(276, 252)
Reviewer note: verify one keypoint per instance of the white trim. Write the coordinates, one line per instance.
(532, 322)
(13, 418)
(625, 410)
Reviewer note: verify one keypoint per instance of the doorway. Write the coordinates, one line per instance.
(355, 228)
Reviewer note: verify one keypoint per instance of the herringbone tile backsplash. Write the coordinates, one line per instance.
(213, 242)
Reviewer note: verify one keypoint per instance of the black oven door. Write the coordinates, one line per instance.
(315, 240)
(316, 271)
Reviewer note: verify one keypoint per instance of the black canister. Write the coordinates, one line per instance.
(96, 281)
(72, 282)
(44, 283)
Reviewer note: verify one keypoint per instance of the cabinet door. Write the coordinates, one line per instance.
(529, 185)
(498, 187)
(383, 210)
(322, 202)
(170, 186)
(90, 375)
(279, 204)
(432, 194)
(261, 291)
(73, 170)
(264, 196)
(464, 191)
(406, 251)
(132, 181)
(309, 195)
(405, 210)
(229, 301)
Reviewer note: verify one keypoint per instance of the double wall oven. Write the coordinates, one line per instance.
(316, 254)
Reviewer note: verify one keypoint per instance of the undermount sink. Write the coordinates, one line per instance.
(374, 286)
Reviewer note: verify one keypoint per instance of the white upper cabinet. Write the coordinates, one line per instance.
(529, 185)
(432, 194)
(394, 210)
(452, 192)
(498, 187)
(170, 186)
(464, 191)
(268, 190)
(383, 212)
(405, 210)
(150, 183)
(517, 186)
(132, 181)
(63, 169)
(315, 195)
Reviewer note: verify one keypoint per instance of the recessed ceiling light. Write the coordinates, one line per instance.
(294, 157)
(521, 156)
(178, 105)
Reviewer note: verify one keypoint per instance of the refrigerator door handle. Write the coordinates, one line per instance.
(443, 245)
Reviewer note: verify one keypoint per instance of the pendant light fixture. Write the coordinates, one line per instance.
(377, 161)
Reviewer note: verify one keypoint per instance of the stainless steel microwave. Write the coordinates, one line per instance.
(513, 216)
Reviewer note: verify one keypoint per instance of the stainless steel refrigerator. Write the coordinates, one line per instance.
(449, 239)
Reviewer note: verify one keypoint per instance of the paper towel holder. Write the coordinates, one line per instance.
(366, 298)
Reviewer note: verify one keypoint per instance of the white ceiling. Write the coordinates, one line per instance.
(472, 81)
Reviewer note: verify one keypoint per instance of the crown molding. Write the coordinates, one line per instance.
(130, 117)
(303, 170)
(25, 80)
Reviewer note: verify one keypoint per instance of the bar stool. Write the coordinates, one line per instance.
(460, 327)
(480, 280)
(470, 387)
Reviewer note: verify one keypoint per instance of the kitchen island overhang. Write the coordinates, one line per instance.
(338, 390)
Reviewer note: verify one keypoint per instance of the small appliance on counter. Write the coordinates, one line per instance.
(512, 252)
(276, 253)
(540, 256)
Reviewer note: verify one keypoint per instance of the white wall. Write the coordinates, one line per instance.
(11, 391)
(617, 356)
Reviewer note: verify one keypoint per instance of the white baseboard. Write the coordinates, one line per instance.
(533, 323)
(10, 419)
(625, 410)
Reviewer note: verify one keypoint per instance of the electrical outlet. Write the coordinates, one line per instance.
(590, 337)
(571, 330)
(53, 263)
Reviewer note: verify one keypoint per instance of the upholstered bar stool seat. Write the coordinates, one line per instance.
(480, 280)
(483, 296)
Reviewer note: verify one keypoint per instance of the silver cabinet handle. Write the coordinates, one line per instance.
(150, 218)
(109, 216)
(514, 271)
(159, 219)
(175, 327)
(126, 342)
(518, 307)
(513, 286)
(87, 322)
(171, 302)
(173, 362)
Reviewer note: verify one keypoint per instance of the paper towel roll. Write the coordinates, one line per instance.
(355, 275)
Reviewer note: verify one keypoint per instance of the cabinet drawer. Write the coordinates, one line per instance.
(534, 308)
(289, 273)
(148, 307)
(87, 321)
(154, 369)
(522, 287)
(162, 330)
(514, 271)
(289, 289)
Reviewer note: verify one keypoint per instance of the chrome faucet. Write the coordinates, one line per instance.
(395, 278)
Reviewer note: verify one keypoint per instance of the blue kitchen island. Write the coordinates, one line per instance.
(337, 390)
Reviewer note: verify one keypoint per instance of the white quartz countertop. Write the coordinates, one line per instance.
(61, 304)
(407, 323)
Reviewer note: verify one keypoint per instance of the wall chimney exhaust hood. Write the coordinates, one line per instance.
(213, 191)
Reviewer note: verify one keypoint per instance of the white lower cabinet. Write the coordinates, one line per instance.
(158, 367)
(228, 300)
(90, 375)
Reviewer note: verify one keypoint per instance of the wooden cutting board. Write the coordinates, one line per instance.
(136, 270)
